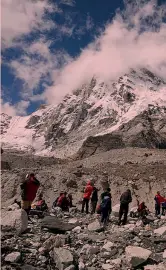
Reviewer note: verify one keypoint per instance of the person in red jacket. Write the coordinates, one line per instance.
(29, 188)
(86, 197)
(63, 202)
(158, 201)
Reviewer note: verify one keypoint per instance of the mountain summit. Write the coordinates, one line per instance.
(97, 117)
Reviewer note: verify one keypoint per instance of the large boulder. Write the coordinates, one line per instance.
(63, 258)
(56, 225)
(16, 220)
(137, 255)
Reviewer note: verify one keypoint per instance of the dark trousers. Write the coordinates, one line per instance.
(163, 210)
(85, 202)
(157, 209)
(93, 206)
(104, 216)
(124, 208)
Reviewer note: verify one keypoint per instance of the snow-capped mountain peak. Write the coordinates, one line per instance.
(96, 108)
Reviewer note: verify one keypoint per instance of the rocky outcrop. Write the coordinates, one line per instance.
(144, 131)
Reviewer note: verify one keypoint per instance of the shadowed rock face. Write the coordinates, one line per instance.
(144, 131)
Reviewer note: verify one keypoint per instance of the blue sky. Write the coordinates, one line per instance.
(47, 45)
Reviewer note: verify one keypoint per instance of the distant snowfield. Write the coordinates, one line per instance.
(108, 101)
(19, 137)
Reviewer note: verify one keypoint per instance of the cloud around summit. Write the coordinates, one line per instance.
(135, 37)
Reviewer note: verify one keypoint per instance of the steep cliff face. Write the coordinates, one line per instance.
(131, 111)
(146, 130)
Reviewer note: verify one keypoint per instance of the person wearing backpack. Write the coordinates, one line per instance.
(125, 199)
(107, 193)
(105, 209)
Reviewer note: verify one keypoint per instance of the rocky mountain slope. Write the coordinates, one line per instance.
(100, 116)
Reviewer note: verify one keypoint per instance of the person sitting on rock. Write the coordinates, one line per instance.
(142, 210)
(158, 201)
(86, 197)
(70, 200)
(40, 204)
(107, 193)
(125, 199)
(63, 202)
(105, 209)
(55, 202)
(94, 200)
(29, 188)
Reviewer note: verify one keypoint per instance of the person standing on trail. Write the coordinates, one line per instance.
(86, 197)
(107, 193)
(125, 199)
(105, 208)
(94, 200)
(158, 201)
(29, 188)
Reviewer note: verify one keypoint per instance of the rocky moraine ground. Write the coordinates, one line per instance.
(76, 241)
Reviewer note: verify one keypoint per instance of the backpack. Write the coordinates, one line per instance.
(105, 203)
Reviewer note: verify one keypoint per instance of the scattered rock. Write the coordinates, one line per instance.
(13, 257)
(107, 266)
(160, 231)
(77, 229)
(73, 221)
(54, 241)
(137, 255)
(53, 223)
(107, 246)
(160, 266)
(94, 226)
(63, 258)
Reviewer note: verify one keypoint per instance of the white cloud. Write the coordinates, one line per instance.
(36, 65)
(16, 109)
(136, 38)
(21, 17)
(68, 2)
(7, 108)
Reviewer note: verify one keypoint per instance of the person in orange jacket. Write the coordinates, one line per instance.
(86, 197)
(158, 201)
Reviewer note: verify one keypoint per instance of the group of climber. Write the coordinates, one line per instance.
(30, 186)
(64, 201)
(105, 207)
